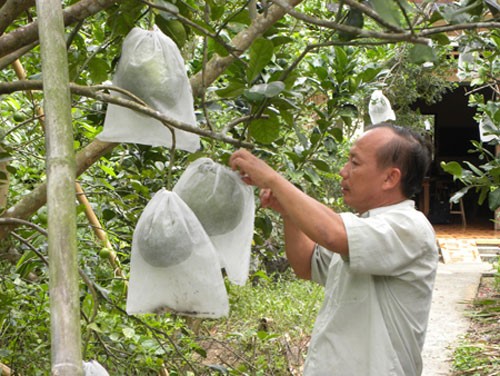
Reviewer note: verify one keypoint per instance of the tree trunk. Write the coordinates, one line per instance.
(61, 205)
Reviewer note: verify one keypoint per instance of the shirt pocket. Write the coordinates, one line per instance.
(351, 288)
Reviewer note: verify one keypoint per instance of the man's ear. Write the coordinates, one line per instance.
(392, 178)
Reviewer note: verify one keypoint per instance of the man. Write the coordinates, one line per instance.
(378, 267)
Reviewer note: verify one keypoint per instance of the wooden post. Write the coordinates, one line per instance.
(66, 358)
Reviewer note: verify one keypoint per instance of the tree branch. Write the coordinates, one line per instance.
(400, 36)
(11, 9)
(405, 36)
(241, 43)
(33, 201)
(13, 56)
(18, 221)
(28, 34)
(96, 93)
(459, 27)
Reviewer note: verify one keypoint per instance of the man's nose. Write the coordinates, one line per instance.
(343, 171)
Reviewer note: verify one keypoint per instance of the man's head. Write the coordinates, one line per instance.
(386, 165)
(409, 152)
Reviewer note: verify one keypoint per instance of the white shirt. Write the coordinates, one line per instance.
(376, 307)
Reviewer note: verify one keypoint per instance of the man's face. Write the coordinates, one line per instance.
(362, 178)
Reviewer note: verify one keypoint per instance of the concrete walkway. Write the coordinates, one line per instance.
(456, 284)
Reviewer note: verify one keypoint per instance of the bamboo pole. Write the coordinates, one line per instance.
(5, 371)
(98, 231)
(66, 357)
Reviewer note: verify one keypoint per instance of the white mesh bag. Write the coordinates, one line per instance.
(151, 67)
(94, 368)
(380, 108)
(174, 266)
(225, 207)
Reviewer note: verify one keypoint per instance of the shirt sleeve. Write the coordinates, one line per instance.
(389, 243)
(320, 263)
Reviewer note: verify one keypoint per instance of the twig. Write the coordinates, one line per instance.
(17, 221)
(401, 36)
(230, 49)
(33, 249)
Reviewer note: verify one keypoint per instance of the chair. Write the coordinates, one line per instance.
(458, 208)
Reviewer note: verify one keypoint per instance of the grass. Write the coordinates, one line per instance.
(267, 331)
(479, 352)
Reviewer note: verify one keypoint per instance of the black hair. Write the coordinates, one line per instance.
(410, 152)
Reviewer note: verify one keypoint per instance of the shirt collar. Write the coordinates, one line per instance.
(410, 204)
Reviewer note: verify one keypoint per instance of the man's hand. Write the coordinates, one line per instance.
(267, 200)
(253, 170)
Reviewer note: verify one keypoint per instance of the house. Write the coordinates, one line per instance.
(453, 129)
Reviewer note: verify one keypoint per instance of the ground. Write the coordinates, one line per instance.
(479, 354)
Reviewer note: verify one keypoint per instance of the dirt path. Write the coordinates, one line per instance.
(456, 284)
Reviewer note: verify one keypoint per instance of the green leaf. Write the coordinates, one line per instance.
(354, 19)
(94, 327)
(216, 11)
(265, 224)
(388, 10)
(336, 133)
(280, 40)
(165, 4)
(341, 59)
(453, 168)
(174, 29)
(242, 17)
(98, 70)
(483, 195)
(272, 89)
(254, 96)
(441, 39)
(261, 91)
(312, 176)
(458, 195)
(474, 169)
(128, 332)
(108, 170)
(234, 89)
(461, 13)
(264, 130)
(283, 104)
(88, 305)
(215, 47)
(261, 53)
(321, 165)
(420, 54)
(494, 199)
(369, 72)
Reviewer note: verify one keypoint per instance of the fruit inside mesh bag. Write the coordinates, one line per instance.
(152, 68)
(174, 266)
(225, 207)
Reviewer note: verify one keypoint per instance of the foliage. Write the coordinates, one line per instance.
(485, 179)
(481, 65)
(297, 90)
(267, 331)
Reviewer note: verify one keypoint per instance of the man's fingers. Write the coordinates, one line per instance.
(237, 157)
